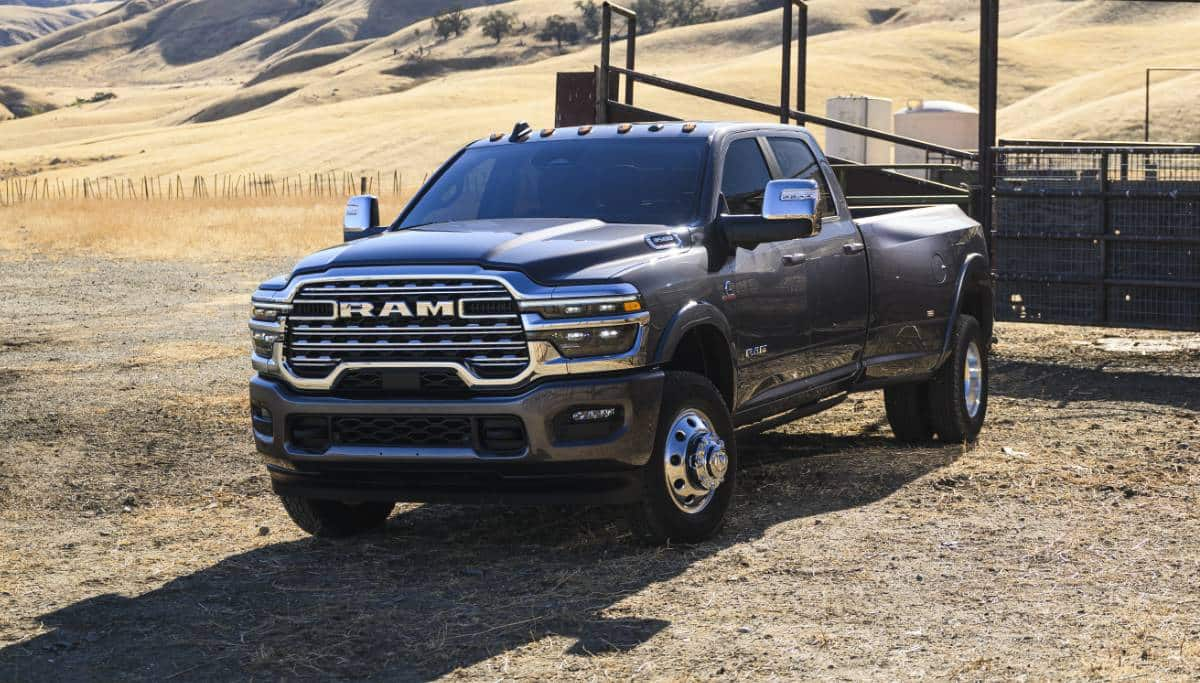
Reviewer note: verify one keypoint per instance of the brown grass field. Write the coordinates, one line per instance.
(139, 539)
(174, 229)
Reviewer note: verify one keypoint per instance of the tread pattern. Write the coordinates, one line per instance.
(334, 519)
(908, 412)
(947, 410)
(655, 519)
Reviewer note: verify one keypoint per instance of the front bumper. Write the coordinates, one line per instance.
(550, 468)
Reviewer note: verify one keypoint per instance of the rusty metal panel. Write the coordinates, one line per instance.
(575, 98)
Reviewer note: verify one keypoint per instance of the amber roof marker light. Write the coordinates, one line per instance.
(624, 128)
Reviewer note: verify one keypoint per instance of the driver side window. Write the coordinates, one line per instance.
(745, 177)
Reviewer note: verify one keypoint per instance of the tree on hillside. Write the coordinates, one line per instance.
(451, 22)
(558, 29)
(688, 12)
(589, 12)
(649, 14)
(497, 24)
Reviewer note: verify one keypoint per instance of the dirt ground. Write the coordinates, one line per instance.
(139, 539)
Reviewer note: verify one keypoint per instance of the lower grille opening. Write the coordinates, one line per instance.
(386, 430)
(492, 435)
(400, 383)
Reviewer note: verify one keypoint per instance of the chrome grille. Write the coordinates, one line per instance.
(483, 334)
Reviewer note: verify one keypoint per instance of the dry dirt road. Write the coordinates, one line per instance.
(138, 538)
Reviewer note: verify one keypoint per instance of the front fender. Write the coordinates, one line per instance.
(690, 316)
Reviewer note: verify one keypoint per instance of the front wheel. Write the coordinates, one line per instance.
(335, 519)
(687, 485)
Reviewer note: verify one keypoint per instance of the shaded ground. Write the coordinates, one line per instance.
(138, 538)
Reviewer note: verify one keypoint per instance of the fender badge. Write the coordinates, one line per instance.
(664, 240)
(756, 351)
(730, 292)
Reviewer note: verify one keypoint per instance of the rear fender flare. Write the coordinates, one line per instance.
(975, 265)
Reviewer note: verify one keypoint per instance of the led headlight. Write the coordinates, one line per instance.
(264, 343)
(583, 308)
(264, 315)
(593, 341)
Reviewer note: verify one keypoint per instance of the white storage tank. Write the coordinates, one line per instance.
(872, 112)
(951, 124)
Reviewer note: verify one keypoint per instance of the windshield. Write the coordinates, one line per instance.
(633, 180)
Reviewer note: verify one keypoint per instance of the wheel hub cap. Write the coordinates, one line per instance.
(696, 461)
(973, 379)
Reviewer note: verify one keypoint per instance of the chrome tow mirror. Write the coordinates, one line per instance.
(361, 218)
(794, 200)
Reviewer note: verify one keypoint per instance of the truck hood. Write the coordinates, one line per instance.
(545, 249)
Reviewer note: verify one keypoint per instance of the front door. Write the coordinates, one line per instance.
(835, 265)
(764, 289)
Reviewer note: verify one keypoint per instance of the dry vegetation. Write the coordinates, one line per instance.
(162, 228)
(349, 99)
(139, 540)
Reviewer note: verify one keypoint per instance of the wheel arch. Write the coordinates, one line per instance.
(698, 339)
(973, 296)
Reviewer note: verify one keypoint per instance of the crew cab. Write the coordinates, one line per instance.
(589, 315)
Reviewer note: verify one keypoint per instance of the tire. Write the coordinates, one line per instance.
(908, 412)
(334, 519)
(958, 404)
(693, 409)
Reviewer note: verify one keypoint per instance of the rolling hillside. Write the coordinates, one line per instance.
(21, 22)
(209, 86)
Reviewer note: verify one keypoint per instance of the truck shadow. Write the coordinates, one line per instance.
(443, 587)
(1065, 384)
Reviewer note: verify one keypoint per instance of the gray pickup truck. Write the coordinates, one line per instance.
(588, 315)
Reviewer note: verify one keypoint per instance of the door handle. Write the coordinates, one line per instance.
(794, 259)
(853, 247)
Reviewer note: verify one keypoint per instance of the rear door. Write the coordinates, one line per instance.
(765, 296)
(834, 262)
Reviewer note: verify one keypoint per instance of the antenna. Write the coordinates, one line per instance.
(520, 131)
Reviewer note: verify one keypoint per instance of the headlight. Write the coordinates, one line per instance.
(584, 308)
(264, 315)
(593, 341)
(264, 343)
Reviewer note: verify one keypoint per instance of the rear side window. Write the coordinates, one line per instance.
(796, 160)
(744, 179)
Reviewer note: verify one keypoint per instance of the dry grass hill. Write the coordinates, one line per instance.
(22, 22)
(205, 86)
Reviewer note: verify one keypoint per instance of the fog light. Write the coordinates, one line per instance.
(593, 414)
(262, 420)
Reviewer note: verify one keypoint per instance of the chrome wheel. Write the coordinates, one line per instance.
(973, 379)
(695, 461)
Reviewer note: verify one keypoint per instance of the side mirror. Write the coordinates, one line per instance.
(361, 218)
(790, 211)
(794, 200)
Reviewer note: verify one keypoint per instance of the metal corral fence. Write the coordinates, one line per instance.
(1100, 235)
(17, 190)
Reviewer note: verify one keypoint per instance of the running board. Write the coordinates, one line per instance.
(790, 416)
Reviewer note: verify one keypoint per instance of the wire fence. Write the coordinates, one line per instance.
(19, 190)
(1098, 235)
